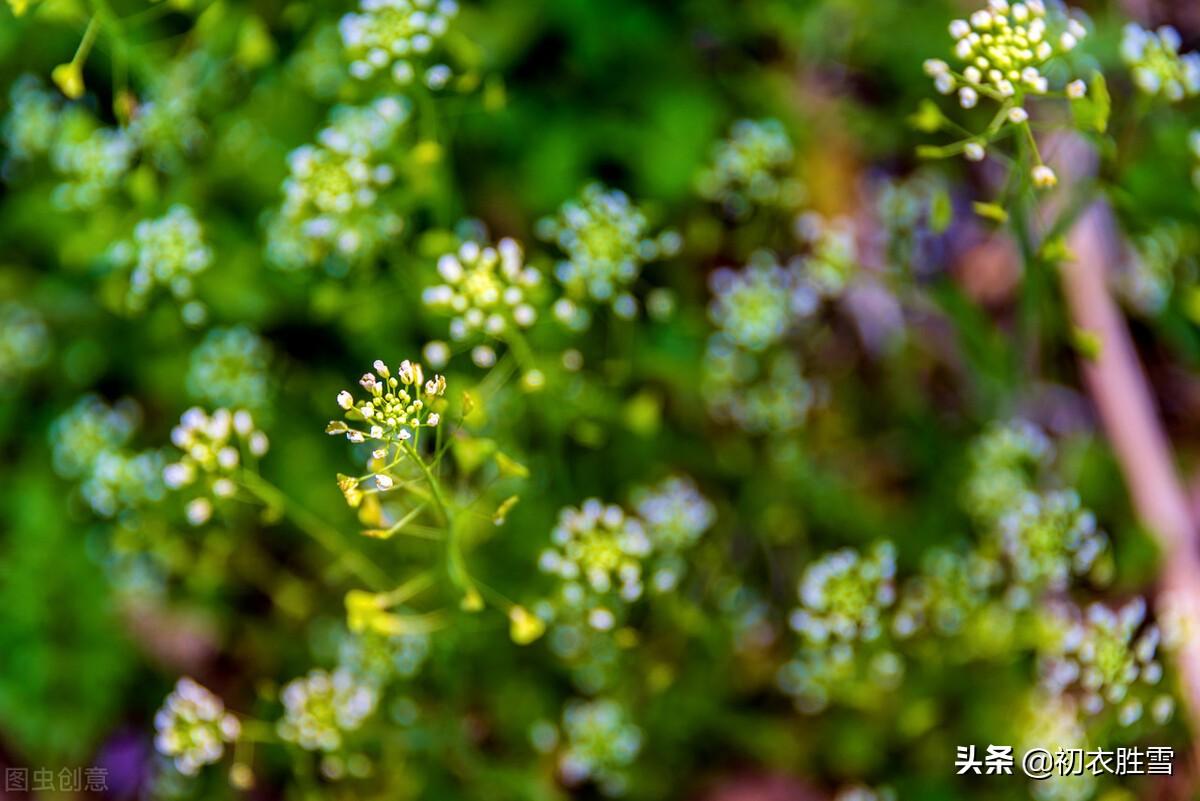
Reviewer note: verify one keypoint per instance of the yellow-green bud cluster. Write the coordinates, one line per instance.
(397, 406)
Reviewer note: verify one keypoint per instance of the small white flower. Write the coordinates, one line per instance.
(1018, 115)
(974, 151)
(1076, 89)
(1044, 177)
(967, 97)
(384, 483)
(434, 419)
(345, 400)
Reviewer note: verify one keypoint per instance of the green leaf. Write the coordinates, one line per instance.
(941, 211)
(1091, 111)
(928, 118)
(991, 211)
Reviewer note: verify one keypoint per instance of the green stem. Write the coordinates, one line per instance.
(316, 528)
(456, 563)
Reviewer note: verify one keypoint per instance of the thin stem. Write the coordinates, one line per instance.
(455, 561)
(316, 528)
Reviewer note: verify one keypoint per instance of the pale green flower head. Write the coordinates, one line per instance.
(397, 37)
(24, 342)
(606, 239)
(229, 368)
(31, 125)
(597, 551)
(486, 290)
(192, 727)
(92, 160)
(600, 744)
(1046, 539)
(321, 708)
(331, 207)
(1109, 657)
(165, 252)
(844, 595)
(752, 167)
(1157, 66)
(88, 429)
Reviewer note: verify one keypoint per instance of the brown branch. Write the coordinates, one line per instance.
(1121, 393)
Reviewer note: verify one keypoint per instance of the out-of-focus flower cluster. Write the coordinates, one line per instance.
(1157, 66)
(24, 342)
(397, 36)
(332, 208)
(487, 290)
(321, 708)
(675, 515)
(748, 378)
(229, 368)
(844, 597)
(193, 727)
(1109, 657)
(600, 745)
(752, 167)
(90, 442)
(167, 251)
(215, 448)
(606, 240)
(597, 551)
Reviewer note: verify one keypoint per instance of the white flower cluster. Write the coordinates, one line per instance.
(1003, 48)
(601, 744)
(597, 551)
(395, 35)
(167, 251)
(1046, 539)
(751, 167)
(604, 235)
(1157, 66)
(90, 443)
(675, 514)
(397, 407)
(322, 707)
(843, 595)
(329, 208)
(92, 159)
(193, 727)
(487, 289)
(1108, 655)
(214, 449)
(756, 306)
(832, 260)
